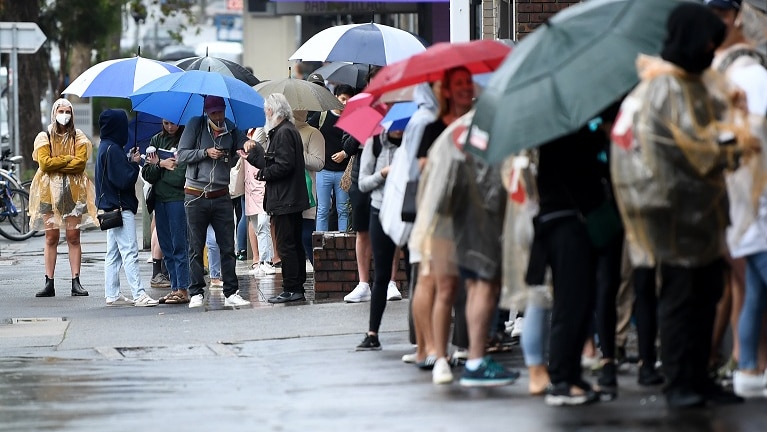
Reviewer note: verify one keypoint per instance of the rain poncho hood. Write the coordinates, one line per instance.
(60, 188)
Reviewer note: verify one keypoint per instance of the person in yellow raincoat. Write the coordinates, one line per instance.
(61, 194)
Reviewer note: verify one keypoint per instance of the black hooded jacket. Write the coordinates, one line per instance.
(115, 174)
(283, 169)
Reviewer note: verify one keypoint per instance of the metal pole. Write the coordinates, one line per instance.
(459, 21)
(15, 85)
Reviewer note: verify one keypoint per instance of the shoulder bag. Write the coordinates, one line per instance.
(114, 218)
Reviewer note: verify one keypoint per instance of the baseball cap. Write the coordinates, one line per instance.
(214, 104)
(316, 79)
(724, 4)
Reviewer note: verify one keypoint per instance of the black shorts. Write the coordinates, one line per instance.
(360, 210)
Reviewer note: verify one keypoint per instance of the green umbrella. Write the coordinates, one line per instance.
(566, 72)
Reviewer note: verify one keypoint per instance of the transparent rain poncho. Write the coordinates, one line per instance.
(461, 205)
(61, 194)
(668, 165)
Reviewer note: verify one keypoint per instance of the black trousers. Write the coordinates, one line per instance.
(383, 254)
(573, 267)
(288, 228)
(608, 281)
(646, 313)
(686, 311)
(200, 212)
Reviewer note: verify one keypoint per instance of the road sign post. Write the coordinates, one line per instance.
(18, 38)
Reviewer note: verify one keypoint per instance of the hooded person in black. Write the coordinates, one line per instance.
(694, 33)
(116, 178)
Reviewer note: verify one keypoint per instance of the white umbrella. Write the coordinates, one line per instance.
(375, 44)
(118, 78)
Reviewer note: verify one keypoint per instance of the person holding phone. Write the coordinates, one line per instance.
(205, 147)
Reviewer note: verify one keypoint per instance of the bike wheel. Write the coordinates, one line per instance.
(16, 224)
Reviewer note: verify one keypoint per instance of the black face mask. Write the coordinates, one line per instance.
(394, 141)
(693, 33)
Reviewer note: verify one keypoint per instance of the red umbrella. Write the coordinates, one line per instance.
(362, 116)
(479, 56)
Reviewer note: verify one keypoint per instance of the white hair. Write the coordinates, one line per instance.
(279, 106)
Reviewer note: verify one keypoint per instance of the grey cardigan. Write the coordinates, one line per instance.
(370, 179)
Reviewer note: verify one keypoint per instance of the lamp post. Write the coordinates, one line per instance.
(138, 12)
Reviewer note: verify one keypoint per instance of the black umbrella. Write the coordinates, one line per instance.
(222, 66)
(345, 73)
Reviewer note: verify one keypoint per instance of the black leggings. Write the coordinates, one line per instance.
(383, 254)
(608, 280)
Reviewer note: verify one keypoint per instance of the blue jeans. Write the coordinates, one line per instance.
(122, 251)
(242, 227)
(216, 212)
(306, 238)
(172, 238)
(754, 306)
(263, 227)
(214, 255)
(535, 335)
(330, 182)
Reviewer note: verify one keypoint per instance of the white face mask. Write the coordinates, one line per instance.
(63, 119)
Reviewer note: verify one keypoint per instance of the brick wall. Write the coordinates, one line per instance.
(335, 265)
(532, 13)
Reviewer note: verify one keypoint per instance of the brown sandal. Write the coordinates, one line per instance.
(175, 298)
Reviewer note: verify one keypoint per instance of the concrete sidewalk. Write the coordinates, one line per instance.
(70, 363)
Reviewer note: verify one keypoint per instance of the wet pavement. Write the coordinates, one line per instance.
(72, 364)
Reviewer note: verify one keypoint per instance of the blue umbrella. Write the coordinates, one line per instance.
(179, 97)
(143, 126)
(399, 115)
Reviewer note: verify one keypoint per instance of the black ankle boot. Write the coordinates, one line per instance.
(77, 289)
(48, 291)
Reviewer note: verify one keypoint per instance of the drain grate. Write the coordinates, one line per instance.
(168, 352)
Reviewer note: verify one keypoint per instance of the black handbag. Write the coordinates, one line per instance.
(150, 199)
(409, 205)
(110, 219)
(113, 218)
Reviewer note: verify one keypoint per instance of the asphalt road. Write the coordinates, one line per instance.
(72, 364)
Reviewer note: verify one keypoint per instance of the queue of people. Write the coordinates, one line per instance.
(665, 192)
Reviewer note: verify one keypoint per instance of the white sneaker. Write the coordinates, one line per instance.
(441, 374)
(235, 300)
(145, 301)
(256, 270)
(516, 330)
(360, 293)
(409, 358)
(392, 293)
(120, 301)
(195, 301)
(748, 386)
(216, 282)
(267, 268)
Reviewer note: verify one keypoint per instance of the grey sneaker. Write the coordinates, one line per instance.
(120, 301)
(145, 301)
(160, 281)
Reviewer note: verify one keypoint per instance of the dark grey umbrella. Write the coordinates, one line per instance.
(565, 73)
(222, 66)
(352, 74)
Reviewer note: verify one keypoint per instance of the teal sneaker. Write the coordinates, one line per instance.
(489, 374)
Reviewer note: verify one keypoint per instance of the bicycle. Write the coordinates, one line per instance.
(14, 213)
(14, 201)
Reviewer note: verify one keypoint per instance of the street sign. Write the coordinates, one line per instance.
(29, 38)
